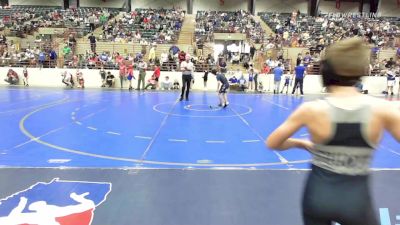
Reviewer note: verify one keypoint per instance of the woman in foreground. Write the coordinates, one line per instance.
(345, 128)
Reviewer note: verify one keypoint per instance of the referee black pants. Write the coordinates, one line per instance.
(299, 82)
(330, 197)
(186, 80)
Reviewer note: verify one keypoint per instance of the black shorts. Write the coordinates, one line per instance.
(156, 79)
(345, 199)
(223, 88)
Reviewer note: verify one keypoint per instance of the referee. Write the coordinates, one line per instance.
(345, 129)
(187, 69)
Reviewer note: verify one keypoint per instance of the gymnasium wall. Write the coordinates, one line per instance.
(101, 3)
(37, 2)
(166, 4)
(52, 78)
(345, 7)
(229, 5)
(284, 6)
(389, 8)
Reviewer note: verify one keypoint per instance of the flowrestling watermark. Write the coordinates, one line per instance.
(353, 15)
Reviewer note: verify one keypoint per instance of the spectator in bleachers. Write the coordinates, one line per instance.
(92, 20)
(92, 40)
(72, 43)
(66, 51)
(305, 31)
(152, 54)
(12, 77)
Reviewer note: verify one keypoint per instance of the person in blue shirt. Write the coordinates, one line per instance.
(300, 72)
(278, 72)
(223, 86)
(251, 79)
(42, 58)
(233, 80)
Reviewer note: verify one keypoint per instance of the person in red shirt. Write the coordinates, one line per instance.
(265, 69)
(156, 74)
(118, 58)
(182, 56)
(130, 76)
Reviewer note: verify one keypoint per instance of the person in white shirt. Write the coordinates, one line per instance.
(142, 66)
(166, 84)
(187, 69)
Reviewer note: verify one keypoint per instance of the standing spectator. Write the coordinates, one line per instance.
(92, 40)
(252, 51)
(103, 76)
(391, 80)
(122, 74)
(156, 74)
(278, 71)
(92, 20)
(222, 66)
(300, 73)
(130, 76)
(142, 66)
(251, 79)
(41, 58)
(286, 84)
(187, 69)
(205, 79)
(103, 19)
(53, 55)
(298, 60)
(72, 43)
(255, 79)
(152, 54)
(25, 73)
(12, 77)
(79, 78)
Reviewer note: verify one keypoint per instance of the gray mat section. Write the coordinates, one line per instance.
(197, 197)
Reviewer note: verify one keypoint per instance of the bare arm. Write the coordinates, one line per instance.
(280, 138)
(391, 118)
